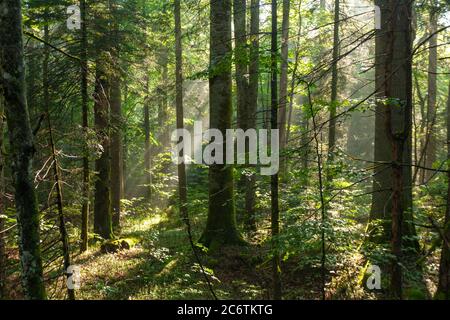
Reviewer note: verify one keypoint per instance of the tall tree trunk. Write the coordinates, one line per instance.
(334, 86)
(147, 146)
(250, 183)
(116, 123)
(221, 223)
(430, 144)
(241, 61)
(102, 201)
(163, 115)
(56, 174)
(383, 179)
(246, 83)
(275, 217)
(443, 291)
(116, 151)
(282, 108)
(2, 204)
(182, 181)
(85, 124)
(392, 187)
(21, 147)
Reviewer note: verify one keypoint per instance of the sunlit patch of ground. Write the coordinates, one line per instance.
(162, 266)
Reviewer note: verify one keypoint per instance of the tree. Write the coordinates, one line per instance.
(116, 125)
(250, 196)
(21, 147)
(221, 223)
(247, 75)
(282, 112)
(241, 61)
(85, 124)
(2, 203)
(430, 139)
(102, 203)
(391, 65)
(334, 84)
(443, 290)
(392, 191)
(275, 216)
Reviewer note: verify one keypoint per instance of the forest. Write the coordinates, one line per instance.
(224, 150)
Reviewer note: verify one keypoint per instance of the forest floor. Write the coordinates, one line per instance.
(161, 265)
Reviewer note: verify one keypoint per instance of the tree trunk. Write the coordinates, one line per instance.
(443, 291)
(2, 204)
(102, 202)
(147, 146)
(393, 187)
(250, 183)
(275, 217)
(116, 151)
(116, 123)
(85, 124)
(241, 61)
(334, 87)
(221, 223)
(430, 145)
(182, 181)
(282, 108)
(21, 148)
(388, 88)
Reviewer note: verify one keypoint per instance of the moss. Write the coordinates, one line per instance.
(113, 246)
(415, 294)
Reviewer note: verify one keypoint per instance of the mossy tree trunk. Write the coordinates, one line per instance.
(102, 202)
(21, 147)
(221, 223)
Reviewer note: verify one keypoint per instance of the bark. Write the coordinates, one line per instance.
(147, 146)
(102, 201)
(182, 181)
(392, 65)
(241, 61)
(85, 124)
(21, 147)
(116, 151)
(2, 205)
(393, 131)
(250, 183)
(334, 85)
(275, 216)
(282, 108)
(221, 223)
(430, 145)
(163, 114)
(116, 123)
(443, 291)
